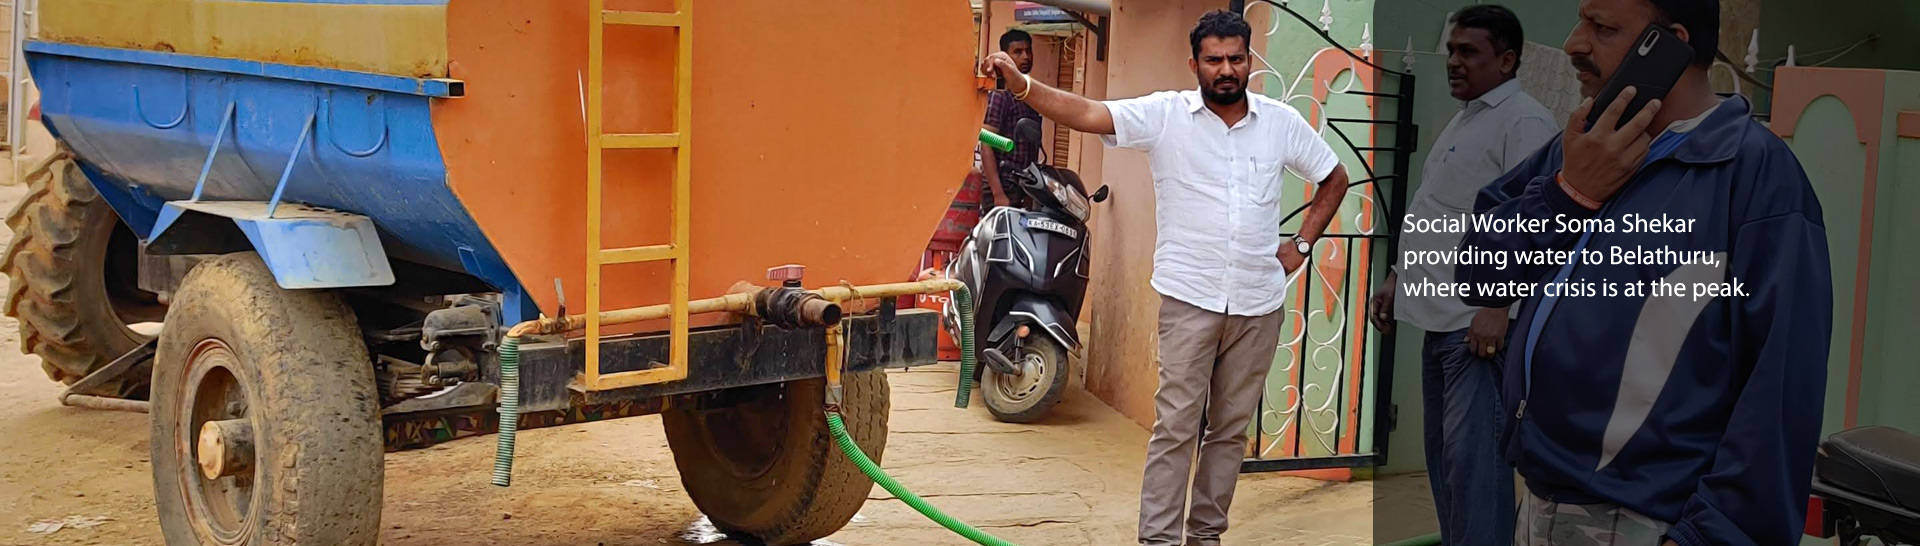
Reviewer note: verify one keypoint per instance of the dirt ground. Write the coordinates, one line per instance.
(1073, 479)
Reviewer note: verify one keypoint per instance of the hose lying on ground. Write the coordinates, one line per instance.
(967, 362)
(1422, 540)
(919, 505)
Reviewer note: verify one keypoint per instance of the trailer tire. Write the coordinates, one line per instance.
(769, 468)
(71, 273)
(287, 367)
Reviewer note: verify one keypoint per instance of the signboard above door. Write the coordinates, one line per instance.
(1033, 12)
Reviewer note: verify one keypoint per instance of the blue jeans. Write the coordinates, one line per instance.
(1472, 483)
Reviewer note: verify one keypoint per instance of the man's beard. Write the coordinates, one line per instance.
(1229, 98)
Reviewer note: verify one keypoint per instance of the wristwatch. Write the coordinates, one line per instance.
(1303, 245)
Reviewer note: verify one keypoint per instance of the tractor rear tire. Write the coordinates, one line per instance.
(768, 468)
(282, 375)
(72, 274)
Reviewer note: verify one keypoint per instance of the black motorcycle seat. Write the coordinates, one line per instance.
(1880, 462)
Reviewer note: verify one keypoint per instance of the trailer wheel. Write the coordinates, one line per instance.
(768, 468)
(73, 278)
(266, 425)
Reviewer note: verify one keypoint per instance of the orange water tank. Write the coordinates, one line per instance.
(832, 134)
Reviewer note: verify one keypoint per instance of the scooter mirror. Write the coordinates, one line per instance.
(1027, 131)
(1100, 195)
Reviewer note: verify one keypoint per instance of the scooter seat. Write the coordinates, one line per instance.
(1880, 462)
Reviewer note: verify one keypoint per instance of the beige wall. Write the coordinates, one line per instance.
(1148, 53)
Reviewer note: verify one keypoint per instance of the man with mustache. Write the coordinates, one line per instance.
(1642, 415)
(1220, 265)
(1498, 126)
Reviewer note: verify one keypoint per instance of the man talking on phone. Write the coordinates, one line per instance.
(1668, 387)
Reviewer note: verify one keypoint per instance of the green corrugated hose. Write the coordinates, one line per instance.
(965, 300)
(1422, 540)
(968, 360)
(919, 505)
(509, 411)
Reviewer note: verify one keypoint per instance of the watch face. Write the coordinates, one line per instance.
(1302, 245)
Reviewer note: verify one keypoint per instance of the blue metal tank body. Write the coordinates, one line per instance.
(141, 125)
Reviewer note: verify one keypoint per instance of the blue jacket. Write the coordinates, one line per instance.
(1700, 412)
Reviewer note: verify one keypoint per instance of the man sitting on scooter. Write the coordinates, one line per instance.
(1003, 112)
(1220, 264)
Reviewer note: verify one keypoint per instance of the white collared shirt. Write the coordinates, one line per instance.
(1217, 194)
(1489, 136)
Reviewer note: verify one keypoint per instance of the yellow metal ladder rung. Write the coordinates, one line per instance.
(635, 254)
(640, 140)
(643, 18)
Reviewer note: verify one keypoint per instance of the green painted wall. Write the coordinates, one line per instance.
(1835, 161)
(1830, 150)
(1888, 378)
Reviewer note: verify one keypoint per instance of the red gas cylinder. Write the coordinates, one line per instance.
(961, 216)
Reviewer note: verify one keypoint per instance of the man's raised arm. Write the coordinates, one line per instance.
(1074, 111)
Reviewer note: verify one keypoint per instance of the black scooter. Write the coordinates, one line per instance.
(1866, 483)
(1027, 270)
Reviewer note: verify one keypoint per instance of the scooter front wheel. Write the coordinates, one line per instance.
(1027, 396)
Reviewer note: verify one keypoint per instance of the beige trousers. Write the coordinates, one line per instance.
(1212, 368)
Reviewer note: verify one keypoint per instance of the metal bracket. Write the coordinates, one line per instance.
(220, 135)
(273, 205)
(74, 396)
(1099, 31)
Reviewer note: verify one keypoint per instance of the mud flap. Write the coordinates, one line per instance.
(304, 247)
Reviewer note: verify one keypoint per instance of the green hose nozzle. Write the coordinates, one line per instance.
(996, 142)
(920, 505)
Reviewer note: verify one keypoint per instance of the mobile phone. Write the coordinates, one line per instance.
(1651, 67)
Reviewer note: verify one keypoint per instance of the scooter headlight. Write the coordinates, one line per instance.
(1069, 198)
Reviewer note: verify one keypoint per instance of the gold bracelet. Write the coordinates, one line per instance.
(1022, 95)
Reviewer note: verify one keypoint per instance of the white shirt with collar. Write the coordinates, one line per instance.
(1489, 136)
(1217, 194)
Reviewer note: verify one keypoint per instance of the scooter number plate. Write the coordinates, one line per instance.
(1045, 224)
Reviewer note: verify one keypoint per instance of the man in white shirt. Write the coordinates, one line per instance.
(1220, 265)
(1497, 127)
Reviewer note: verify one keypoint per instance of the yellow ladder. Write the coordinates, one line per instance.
(681, 141)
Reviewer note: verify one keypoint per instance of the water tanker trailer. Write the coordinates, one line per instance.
(373, 225)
